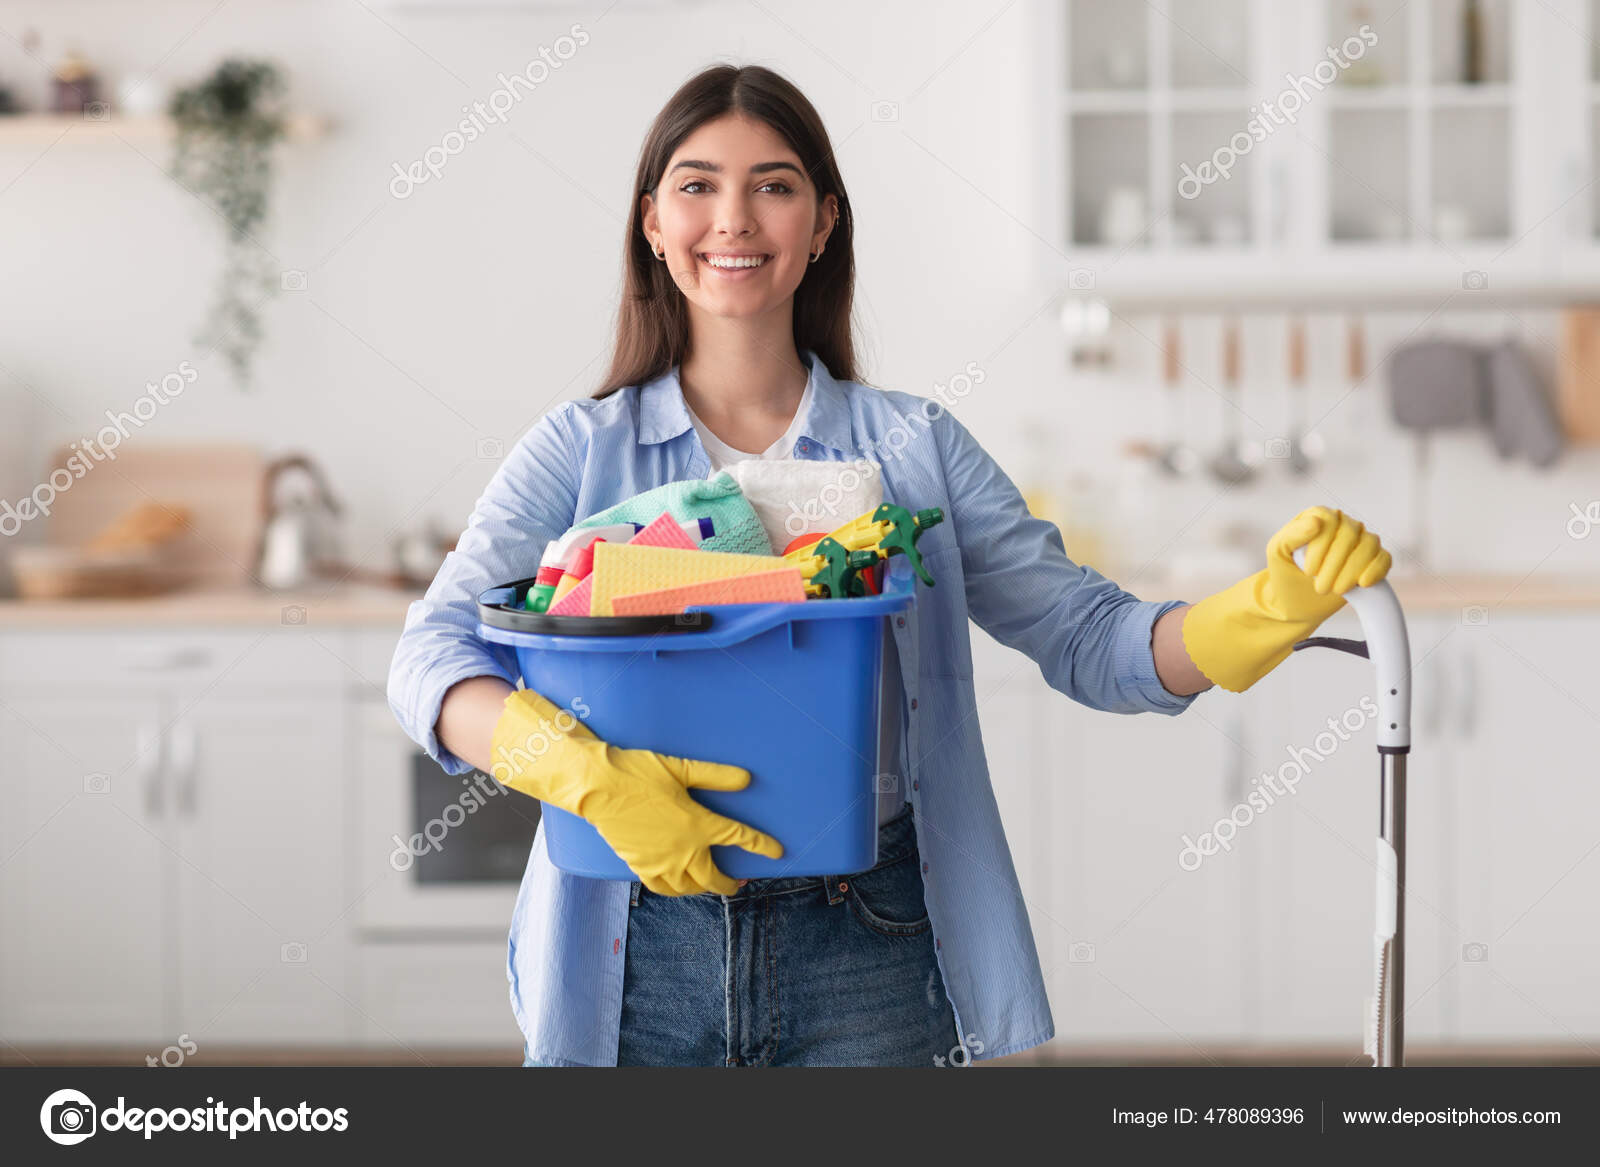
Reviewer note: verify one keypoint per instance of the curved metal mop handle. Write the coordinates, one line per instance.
(1389, 648)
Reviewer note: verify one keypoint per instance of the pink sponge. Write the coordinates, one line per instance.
(575, 602)
(781, 586)
(664, 532)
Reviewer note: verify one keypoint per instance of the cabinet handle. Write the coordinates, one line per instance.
(163, 659)
(183, 769)
(1468, 706)
(147, 741)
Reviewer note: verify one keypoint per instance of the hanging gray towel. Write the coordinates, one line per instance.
(1437, 384)
(1521, 417)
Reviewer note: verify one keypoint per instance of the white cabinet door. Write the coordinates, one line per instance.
(1014, 708)
(84, 939)
(1530, 851)
(260, 791)
(1319, 919)
(1156, 950)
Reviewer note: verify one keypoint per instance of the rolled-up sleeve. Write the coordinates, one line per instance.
(530, 500)
(1090, 639)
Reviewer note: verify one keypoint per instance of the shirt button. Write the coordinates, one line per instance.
(913, 702)
(900, 621)
(916, 784)
(924, 869)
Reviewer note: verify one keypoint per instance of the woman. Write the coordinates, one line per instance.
(734, 341)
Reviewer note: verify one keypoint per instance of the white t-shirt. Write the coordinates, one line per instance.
(892, 795)
(721, 453)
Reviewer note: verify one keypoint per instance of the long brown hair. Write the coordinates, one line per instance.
(653, 319)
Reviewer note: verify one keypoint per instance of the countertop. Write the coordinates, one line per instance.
(336, 604)
(361, 605)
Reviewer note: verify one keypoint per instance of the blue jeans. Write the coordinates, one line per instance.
(807, 971)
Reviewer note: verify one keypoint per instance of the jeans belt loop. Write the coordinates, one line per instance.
(832, 884)
(633, 894)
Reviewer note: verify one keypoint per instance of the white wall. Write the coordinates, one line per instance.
(469, 308)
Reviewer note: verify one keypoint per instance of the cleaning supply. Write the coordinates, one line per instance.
(831, 565)
(794, 496)
(719, 499)
(790, 692)
(664, 532)
(783, 585)
(621, 569)
(576, 600)
(637, 799)
(1242, 633)
(558, 553)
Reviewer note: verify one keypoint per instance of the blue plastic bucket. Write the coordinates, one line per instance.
(789, 692)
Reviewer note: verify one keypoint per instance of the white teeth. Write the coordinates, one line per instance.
(735, 261)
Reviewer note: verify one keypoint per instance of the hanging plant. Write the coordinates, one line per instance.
(227, 125)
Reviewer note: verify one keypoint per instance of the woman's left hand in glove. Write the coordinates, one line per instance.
(1242, 633)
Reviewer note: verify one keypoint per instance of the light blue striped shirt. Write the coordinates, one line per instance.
(992, 561)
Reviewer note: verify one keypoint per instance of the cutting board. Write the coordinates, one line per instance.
(1580, 374)
(220, 483)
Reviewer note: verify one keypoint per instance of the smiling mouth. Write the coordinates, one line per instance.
(732, 262)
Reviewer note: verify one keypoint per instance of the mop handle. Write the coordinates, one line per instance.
(1389, 649)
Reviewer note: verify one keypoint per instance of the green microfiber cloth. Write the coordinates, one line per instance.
(736, 525)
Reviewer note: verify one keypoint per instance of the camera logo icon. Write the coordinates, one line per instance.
(97, 111)
(1081, 279)
(1277, 447)
(1474, 281)
(293, 614)
(1081, 953)
(885, 111)
(68, 1117)
(1475, 952)
(293, 280)
(97, 783)
(292, 953)
(1475, 615)
(490, 449)
(886, 783)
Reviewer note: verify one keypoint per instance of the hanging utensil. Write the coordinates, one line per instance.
(1304, 449)
(1230, 465)
(1176, 459)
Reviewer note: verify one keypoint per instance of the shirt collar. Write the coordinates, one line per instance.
(664, 415)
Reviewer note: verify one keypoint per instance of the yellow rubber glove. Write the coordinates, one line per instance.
(1241, 634)
(638, 800)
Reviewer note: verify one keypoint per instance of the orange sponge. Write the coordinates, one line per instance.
(785, 585)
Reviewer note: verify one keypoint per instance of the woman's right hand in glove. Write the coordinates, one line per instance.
(637, 799)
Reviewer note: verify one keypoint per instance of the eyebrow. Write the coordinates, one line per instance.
(714, 168)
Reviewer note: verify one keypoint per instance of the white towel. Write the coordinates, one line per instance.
(794, 496)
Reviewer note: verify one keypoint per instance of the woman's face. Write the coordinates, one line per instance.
(738, 218)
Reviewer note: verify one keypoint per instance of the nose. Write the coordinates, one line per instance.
(735, 215)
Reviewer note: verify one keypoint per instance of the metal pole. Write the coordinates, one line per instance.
(1389, 1047)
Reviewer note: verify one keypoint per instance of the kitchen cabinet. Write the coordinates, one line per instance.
(260, 788)
(179, 826)
(1398, 168)
(86, 944)
(1271, 941)
(1529, 956)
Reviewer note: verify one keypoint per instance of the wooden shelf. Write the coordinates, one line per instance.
(46, 128)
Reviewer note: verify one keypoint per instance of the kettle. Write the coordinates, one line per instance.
(299, 536)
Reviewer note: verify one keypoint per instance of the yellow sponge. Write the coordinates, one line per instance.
(622, 569)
